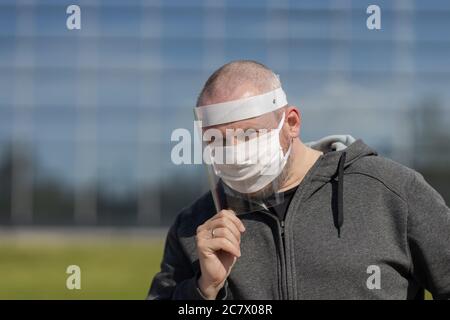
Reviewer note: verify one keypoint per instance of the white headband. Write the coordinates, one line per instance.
(241, 109)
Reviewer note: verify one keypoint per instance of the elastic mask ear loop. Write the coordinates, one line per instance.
(279, 130)
(280, 125)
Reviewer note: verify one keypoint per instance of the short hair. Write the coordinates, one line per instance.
(225, 80)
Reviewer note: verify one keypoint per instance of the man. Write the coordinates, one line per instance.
(351, 224)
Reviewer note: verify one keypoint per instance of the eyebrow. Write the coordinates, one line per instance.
(248, 128)
(256, 127)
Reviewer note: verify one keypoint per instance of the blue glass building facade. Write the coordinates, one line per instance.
(86, 115)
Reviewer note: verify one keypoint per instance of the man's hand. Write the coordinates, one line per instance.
(218, 247)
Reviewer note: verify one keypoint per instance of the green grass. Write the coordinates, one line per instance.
(110, 269)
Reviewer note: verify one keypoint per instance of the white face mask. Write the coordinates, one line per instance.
(258, 161)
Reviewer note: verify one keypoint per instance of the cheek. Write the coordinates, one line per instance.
(285, 140)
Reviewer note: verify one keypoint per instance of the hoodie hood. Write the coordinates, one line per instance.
(335, 142)
(334, 147)
(339, 152)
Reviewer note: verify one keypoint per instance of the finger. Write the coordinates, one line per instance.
(233, 217)
(224, 244)
(227, 214)
(226, 233)
(219, 232)
(226, 223)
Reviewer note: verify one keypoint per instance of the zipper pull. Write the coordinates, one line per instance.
(282, 228)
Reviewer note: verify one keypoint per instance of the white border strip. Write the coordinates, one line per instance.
(241, 109)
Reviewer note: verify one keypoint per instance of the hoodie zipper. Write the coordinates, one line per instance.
(284, 261)
(284, 290)
(286, 270)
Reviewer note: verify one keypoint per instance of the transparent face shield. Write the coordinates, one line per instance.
(245, 159)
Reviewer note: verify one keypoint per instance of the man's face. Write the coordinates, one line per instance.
(244, 130)
(234, 133)
(241, 131)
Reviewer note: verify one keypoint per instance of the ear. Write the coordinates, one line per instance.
(293, 121)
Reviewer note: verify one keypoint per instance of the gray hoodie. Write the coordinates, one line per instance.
(359, 226)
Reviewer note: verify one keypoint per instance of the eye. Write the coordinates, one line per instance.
(211, 140)
(219, 142)
(251, 134)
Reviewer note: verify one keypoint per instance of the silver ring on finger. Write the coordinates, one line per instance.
(212, 233)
